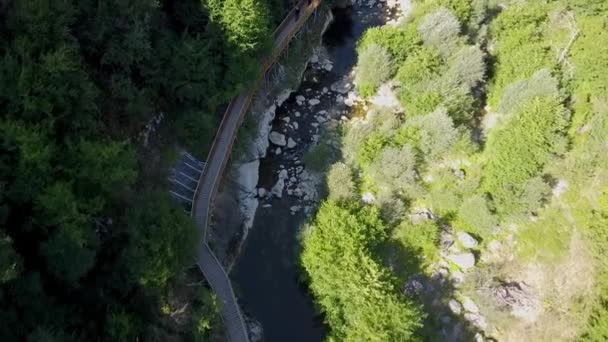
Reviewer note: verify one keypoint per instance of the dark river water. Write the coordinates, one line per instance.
(267, 274)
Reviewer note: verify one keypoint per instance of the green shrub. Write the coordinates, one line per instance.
(546, 239)
(436, 133)
(383, 119)
(419, 242)
(321, 156)
(425, 84)
(467, 66)
(421, 98)
(399, 42)
(476, 217)
(205, 316)
(355, 135)
(371, 148)
(373, 68)
(394, 169)
(356, 294)
(392, 208)
(340, 184)
(517, 152)
(424, 64)
(591, 79)
(462, 8)
(457, 100)
(442, 202)
(518, 93)
(521, 49)
(440, 30)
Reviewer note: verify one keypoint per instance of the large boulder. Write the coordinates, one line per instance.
(314, 102)
(463, 260)
(455, 306)
(477, 320)
(469, 305)
(291, 143)
(300, 100)
(277, 138)
(368, 198)
(248, 176)
(467, 240)
(277, 189)
(342, 86)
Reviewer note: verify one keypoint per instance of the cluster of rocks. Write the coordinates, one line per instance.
(287, 140)
(459, 315)
(255, 329)
(318, 61)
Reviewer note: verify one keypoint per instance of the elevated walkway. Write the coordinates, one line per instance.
(212, 174)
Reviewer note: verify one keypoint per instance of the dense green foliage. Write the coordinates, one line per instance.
(518, 151)
(375, 68)
(502, 135)
(355, 292)
(91, 243)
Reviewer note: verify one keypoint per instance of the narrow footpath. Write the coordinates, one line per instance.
(211, 176)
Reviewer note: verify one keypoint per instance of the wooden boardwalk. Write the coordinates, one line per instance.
(216, 162)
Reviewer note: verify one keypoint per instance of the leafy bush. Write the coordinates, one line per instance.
(521, 49)
(354, 137)
(399, 42)
(371, 148)
(546, 239)
(421, 98)
(353, 290)
(440, 30)
(442, 202)
(419, 242)
(518, 151)
(340, 183)
(425, 84)
(462, 8)
(422, 65)
(322, 155)
(395, 168)
(373, 68)
(392, 208)
(205, 316)
(518, 93)
(476, 217)
(591, 80)
(166, 241)
(383, 119)
(467, 66)
(436, 133)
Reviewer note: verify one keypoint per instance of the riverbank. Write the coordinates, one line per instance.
(266, 272)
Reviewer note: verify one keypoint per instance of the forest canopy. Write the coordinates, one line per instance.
(92, 245)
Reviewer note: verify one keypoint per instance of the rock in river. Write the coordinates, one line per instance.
(277, 138)
(314, 102)
(277, 189)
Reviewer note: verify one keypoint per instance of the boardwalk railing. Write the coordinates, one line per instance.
(210, 178)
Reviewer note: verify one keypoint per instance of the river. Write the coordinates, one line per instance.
(267, 273)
